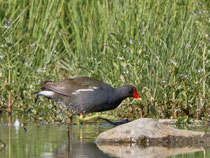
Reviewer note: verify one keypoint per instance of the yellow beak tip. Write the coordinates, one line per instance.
(140, 99)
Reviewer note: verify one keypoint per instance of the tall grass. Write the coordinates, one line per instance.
(162, 47)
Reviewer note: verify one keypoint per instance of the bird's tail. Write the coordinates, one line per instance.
(37, 96)
(35, 92)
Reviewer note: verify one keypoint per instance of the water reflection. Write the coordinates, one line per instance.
(29, 139)
(79, 150)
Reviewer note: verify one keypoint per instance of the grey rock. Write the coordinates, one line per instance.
(148, 131)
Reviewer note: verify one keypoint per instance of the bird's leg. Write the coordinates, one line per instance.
(70, 116)
(82, 119)
(70, 120)
(68, 131)
(93, 117)
(81, 115)
(79, 119)
(113, 123)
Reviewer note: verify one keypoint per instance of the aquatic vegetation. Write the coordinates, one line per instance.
(162, 47)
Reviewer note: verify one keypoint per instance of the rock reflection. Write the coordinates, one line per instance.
(125, 151)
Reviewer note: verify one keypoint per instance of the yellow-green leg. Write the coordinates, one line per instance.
(70, 117)
(81, 118)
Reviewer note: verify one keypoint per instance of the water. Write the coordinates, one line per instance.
(25, 139)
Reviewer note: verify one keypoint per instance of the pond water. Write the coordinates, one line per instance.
(54, 141)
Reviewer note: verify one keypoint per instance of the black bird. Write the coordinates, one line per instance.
(87, 95)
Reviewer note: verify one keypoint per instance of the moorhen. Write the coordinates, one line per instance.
(87, 95)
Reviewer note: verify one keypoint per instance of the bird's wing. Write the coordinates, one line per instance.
(69, 86)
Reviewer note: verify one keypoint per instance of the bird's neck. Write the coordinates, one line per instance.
(122, 92)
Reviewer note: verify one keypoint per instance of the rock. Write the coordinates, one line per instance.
(167, 121)
(148, 131)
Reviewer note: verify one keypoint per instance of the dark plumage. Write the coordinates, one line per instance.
(85, 95)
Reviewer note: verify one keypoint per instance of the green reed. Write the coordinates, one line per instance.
(162, 47)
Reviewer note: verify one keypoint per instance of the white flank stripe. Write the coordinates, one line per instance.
(75, 93)
(46, 93)
(84, 90)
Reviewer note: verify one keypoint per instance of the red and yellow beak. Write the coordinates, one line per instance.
(140, 99)
(136, 95)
